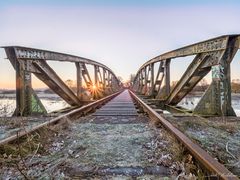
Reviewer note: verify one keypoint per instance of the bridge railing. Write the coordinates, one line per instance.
(211, 55)
(28, 60)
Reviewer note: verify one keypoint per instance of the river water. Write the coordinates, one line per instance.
(52, 102)
(190, 101)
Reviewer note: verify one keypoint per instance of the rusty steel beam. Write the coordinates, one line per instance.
(86, 76)
(239, 43)
(109, 80)
(164, 68)
(189, 79)
(211, 45)
(98, 77)
(141, 81)
(96, 80)
(158, 82)
(38, 54)
(50, 78)
(104, 78)
(215, 44)
(79, 80)
(27, 102)
(29, 60)
(151, 91)
(217, 99)
(167, 77)
(214, 54)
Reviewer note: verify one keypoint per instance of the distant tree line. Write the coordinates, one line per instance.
(235, 86)
(203, 85)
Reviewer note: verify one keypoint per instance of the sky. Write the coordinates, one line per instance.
(120, 34)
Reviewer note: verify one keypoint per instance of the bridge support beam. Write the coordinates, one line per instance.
(98, 83)
(167, 77)
(79, 80)
(144, 88)
(27, 102)
(164, 91)
(217, 99)
(104, 82)
(52, 80)
(140, 82)
(158, 81)
(151, 91)
(211, 55)
(194, 73)
(23, 92)
(28, 60)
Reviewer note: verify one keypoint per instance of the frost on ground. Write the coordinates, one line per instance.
(220, 136)
(12, 125)
(95, 150)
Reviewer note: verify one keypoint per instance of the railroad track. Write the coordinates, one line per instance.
(72, 114)
(201, 155)
(117, 119)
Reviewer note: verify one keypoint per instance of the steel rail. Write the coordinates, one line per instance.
(73, 114)
(198, 153)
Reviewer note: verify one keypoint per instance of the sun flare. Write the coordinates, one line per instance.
(94, 87)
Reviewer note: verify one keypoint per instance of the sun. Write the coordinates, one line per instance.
(94, 87)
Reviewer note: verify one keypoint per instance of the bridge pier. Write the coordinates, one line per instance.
(217, 100)
(23, 92)
(27, 102)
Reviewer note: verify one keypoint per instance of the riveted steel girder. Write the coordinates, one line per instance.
(212, 54)
(217, 98)
(27, 102)
(190, 78)
(29, 60)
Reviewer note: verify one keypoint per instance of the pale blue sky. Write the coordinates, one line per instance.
(121, 34)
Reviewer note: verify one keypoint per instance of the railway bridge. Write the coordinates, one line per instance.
(112, 131)
(152, 80)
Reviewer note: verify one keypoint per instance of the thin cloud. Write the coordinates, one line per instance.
(123, 38)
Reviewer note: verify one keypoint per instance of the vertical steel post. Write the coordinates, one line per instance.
(110, 82)
(145, 80)
(96, 75)
(79, 79)
(152, 80)
(23, 91)
(104, 78)
(217, 99)
(167, 77)
(141, 81)
(23, 85)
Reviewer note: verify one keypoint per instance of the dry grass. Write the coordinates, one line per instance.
(195, 123)
(230, 127)
(17, 154)
(206, 132)
(26, 145)
(180, 154)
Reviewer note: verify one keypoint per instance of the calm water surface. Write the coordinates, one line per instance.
(52, 102)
